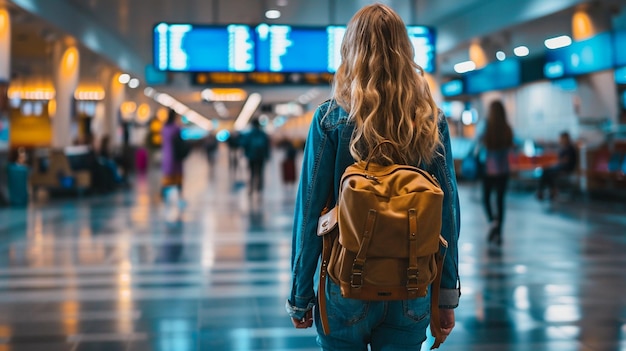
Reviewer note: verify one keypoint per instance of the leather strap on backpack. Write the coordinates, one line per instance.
(321, 290)
(327, 230)
(435, 318)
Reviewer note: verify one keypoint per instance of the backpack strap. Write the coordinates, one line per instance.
(326, 228)
(411, 271)
(375, 149)
(356, 278)
(435, 320)
(321, 290)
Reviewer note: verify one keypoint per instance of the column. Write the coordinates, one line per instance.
(66, 60)
(115, 97)
(5, 75)
(5, 46)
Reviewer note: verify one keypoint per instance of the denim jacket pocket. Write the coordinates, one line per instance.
(343, 311)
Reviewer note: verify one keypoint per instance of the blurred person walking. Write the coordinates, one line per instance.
(174, 150)
(256, 145)
(497, 142)
(379, 94)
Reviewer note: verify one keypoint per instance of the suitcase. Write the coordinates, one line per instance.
(289, 171)
(17, 180)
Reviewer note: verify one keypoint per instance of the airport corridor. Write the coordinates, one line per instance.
(115, 272)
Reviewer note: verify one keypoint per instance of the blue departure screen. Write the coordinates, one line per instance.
(586, 56)
(267, 48)
(188, 48)
(423, 40)
(495, 76)
(452, 88)
(283, 48)
(619, 45)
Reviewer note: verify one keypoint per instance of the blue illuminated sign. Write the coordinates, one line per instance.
(495, 76)
(452, 88)
(554, 69)
(620, 75)
(188, 48)
(283, 48)
(619, 41)
(266, 48)
(423, 40)
(586, 56)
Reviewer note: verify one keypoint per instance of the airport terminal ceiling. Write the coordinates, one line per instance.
(120, 31)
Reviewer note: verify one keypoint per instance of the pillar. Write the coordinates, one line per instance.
(5, 46)
(66, 60)
(5, 75)
(114, 96)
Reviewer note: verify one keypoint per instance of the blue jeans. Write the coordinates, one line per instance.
(385, 325)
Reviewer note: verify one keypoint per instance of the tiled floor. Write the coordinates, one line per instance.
(114, 273)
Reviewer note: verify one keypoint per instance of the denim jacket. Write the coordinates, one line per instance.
(326, 156)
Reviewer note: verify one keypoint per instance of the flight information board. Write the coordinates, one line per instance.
(582, 57)
(189, 48)
(283, 48)
(423, 40)
(267, 48)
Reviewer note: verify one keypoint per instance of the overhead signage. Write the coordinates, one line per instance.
(582, 57)
(495, 76)
(266, 48)
(619, 46)
(261, 78)
(283, 48)
(452, 88)
(188, 48)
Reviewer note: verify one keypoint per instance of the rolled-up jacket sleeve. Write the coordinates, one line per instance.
(450, 284)
(316, 182)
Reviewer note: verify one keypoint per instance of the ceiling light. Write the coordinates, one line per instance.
(133, 83)
(272, 14)
(253, 102)
(521, 51)
(558, 42)
(281, 2)
(464, 67)
(224, 94)
(500, 55)
(124, 78)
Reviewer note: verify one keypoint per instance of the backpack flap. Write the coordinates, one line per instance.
(327, 222)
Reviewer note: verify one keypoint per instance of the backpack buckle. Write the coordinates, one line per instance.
(356, 280)
(411, 282)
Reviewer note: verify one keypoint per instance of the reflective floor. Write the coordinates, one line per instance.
(117, 272)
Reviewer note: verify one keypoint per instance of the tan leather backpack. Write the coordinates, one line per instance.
(382, 239)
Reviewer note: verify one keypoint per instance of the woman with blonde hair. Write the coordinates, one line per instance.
(379, 94)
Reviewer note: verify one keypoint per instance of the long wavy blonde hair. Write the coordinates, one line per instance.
(384, 90)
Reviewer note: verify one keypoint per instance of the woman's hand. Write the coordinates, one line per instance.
(446, 317)
(307, 321)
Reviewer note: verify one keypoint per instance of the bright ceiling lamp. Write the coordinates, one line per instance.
(464, 67)
(224, 94)
(558, 42)
(521, 51)
(253, 102)
(124, 78)
(133, 83)
(272, 14)
(500, 55)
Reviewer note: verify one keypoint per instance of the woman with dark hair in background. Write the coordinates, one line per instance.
(497, 141)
